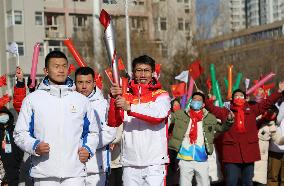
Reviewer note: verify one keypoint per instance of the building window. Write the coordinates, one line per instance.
(163, 23)
(138, 2)
(187, 26)
(51, 20)
(164, 50)
(186, 1)
(137, 23)
(179, 1)
(21, 49)
(186, 10)
(41, 49)
(54, 45)
(38, 18)
(79, 0)
(18, 17)
(180, 23)
(80, 20)
(109, 1)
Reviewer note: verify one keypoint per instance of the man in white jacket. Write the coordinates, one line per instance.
(99, 165)
(143, 112)
(57, 126)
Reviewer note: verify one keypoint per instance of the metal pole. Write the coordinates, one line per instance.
(97, 33)
(128, 50)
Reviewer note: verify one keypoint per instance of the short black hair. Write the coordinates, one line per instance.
(199, 94)
(84, 71)
(144, 59)
(241, 91)
(54, 54)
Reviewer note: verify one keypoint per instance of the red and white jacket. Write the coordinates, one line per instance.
(144, 139)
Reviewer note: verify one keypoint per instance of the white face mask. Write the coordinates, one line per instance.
(4, 118)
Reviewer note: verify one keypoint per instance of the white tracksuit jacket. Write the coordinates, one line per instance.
(100, 162)
(63, 118)
(144, 138)
(143, 143)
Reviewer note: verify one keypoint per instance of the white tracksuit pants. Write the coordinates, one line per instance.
(94, 179)
(77, 181)
(153, 175)
(189, 168)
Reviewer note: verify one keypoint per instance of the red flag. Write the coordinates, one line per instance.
(209, 84)
(99, 80)
(71, 69)
(124, 85)
(109, 74)
(158, 69)
(120, 64)
(178, 89)
(3, 81)
(4, 100)
(195, 69)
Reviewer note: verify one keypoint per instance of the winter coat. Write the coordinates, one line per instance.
(63, 118)
(181, 121)
(100, 162)
(144, 138)
(242, 147)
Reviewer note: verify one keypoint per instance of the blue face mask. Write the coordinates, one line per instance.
(4, 118)
(196, 105)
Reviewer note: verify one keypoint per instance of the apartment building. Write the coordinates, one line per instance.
(168, 24)
(249, 13)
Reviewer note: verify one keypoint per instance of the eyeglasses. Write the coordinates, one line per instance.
(140, 71)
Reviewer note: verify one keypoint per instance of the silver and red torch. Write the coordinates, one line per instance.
(109, 38)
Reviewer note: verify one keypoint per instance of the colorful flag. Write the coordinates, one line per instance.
(208, 84)
(178, 89)
(195, 69)
(120, 64)
(3, 81)
(4, 100)
(109, 74)
(183, 76)
(99, 80)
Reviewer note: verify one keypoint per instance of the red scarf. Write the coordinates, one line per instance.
(195, 117)
(240, 118)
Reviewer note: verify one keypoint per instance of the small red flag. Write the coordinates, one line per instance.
(120, 64)
(158, 69)
(124, 85)
(4, 100)
(3, 81)
(99, 80)
(71, 69)
(178, 89)
(209, 84)
(195, 69)
(109, 74)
